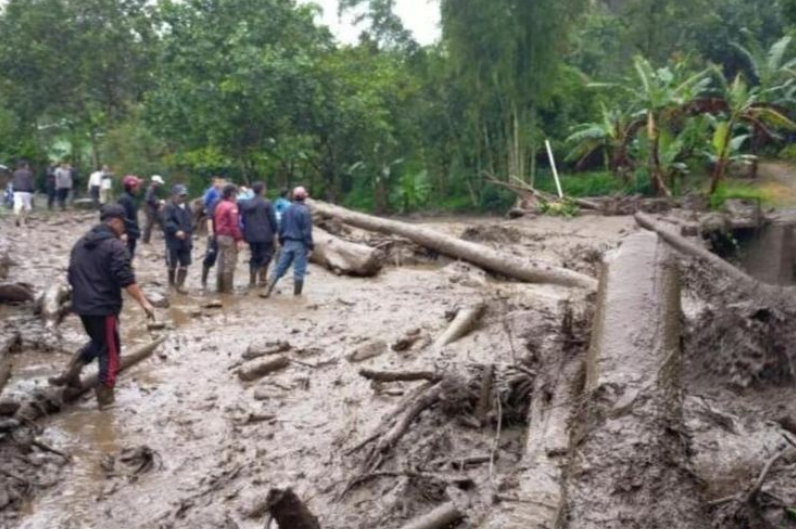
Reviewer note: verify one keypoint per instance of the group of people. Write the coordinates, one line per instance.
(101, 266)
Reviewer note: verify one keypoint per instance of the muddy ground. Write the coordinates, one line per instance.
(191, 445)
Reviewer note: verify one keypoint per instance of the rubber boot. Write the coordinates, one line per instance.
(205, 275)
(298, 287)
(263, 272)
(172, 277)
(71, 376)
(182, 275)
(252, 277)
(105, 397)
(269, 290)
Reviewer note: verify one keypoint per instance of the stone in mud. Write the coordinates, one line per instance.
(214, 304)
(369, 349)
(629, 463)
(157, 295)
(256, 350)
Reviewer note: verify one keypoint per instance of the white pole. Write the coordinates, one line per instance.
(553, 166)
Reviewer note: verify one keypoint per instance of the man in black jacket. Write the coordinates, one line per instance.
(128, 201)
(259, 227)
(178, 226)
(99, 269)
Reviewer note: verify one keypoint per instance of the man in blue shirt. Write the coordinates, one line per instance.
(295, 236)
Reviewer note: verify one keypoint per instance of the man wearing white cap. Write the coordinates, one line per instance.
(295, 236)
(152, 206)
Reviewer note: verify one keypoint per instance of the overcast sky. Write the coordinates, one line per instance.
(419, 16)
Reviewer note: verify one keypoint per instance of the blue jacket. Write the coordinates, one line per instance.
(297, 225)
(280, 206)
(210, 199)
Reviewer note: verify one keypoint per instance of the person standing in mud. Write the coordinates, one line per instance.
(295, 237)
(63, 184)
(178, 226)
(106, 187)
(129, 202)
(99, 269)
(210, 200)
(49, 184)
(259, 228)
(94, 186)
(23, 192)
(229, 238)
(152, 205)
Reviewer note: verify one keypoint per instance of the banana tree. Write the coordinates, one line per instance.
(773, 68)
(740, 105)
(607, 136)
(727, 145)
(659, 96)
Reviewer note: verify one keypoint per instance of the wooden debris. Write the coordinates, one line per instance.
(462, 324)
(400, 376)
(370, 349)
(250, 372)
(477, 254)
(344, 257)
(440, 518)
(255, 351)
(7, 344)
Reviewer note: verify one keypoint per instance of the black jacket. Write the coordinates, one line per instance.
(177, 218)
(151, 198)
(99, 268)
(297, 225)
(259, 220)
(130, 205)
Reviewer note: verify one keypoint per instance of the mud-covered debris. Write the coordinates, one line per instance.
(257, 350)
(157, 295)
(289, 511)
(214, 304)
(407, 341)
(494, 233)
(369, 349)
(16, 292)
(140, 460)
(465, 274)
(255, 370)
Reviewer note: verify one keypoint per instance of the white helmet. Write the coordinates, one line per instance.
(157, 179)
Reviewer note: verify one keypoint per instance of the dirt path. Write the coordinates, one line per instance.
(191, 411)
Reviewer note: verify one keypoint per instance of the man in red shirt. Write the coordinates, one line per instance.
(229, 237)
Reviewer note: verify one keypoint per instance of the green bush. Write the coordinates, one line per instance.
(582, 184)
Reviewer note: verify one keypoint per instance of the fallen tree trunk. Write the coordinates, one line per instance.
(441, 517)
(247, 373)
(687, 247)
(462, 324)
(7, 344)
(52, 400)
(629, 458)
(486, 258)
(344, 257)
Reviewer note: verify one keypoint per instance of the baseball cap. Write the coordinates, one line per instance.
(112, 211)
(179, 190)
(158, 179)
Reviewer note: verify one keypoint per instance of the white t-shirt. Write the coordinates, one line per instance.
(95, 180)
(107, 183)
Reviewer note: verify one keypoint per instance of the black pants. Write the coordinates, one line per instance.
(152, 219)
(262, 253)
(177, 257)
(51, 196)
(211, 255)
(94, 192)
(104, 345)
(131, 244)
(63, 194)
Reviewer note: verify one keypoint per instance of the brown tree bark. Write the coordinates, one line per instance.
(487, 258)
(344, 257)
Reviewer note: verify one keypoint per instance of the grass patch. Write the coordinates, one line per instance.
(582, 184)
(741, 191)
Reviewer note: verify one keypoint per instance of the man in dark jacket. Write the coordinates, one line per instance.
(152, 206)
(23, 192)
(128, 201)
(99, 269)
(178, 226)
(295, 236)
(259, 228)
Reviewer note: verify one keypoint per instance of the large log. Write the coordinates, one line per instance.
(629, 462)
(683, 245)
(344, 257)
(51, 400)
(487, 258)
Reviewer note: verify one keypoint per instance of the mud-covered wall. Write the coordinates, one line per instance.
(771, 256)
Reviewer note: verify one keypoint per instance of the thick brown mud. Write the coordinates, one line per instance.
(189, 444)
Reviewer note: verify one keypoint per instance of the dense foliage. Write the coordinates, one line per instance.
(660, 94)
